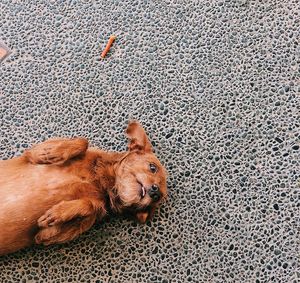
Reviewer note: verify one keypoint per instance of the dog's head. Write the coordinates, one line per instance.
(140, 177)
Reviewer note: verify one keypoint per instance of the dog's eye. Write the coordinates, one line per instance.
(153, 168)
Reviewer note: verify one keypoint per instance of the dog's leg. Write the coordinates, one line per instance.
(65, 232)
(66, 211)
(56, 151)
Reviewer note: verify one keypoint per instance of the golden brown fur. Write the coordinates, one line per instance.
(57, 189)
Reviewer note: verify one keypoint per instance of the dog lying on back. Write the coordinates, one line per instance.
(57, 189)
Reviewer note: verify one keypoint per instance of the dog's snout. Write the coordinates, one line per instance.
(154, 188)
(154, 192)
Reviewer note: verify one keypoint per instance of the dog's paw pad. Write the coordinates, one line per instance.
(49, 158)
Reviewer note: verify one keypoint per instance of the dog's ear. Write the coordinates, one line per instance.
(138, 139)
(144, 216)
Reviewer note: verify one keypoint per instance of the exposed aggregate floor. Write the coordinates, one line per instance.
(216, 83)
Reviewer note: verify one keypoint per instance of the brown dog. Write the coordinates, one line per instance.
(56, 190)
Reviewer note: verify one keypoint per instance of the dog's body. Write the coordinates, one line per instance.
(56, 190)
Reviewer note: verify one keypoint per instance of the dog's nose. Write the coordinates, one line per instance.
(154, 192)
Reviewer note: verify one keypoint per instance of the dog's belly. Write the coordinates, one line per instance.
(26, 192)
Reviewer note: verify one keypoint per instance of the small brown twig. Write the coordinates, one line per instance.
(108, 45)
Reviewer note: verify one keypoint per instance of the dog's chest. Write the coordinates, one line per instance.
(50, 177)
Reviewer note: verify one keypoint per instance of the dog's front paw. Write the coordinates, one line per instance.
(45, 235)
(56, 151)
(45, 155)
(52, 217)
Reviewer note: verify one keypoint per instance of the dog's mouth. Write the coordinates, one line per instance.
(142, 190)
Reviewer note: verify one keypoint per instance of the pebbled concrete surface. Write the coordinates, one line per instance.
(216, 84)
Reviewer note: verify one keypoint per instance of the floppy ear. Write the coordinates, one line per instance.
(144, 216)
(138, 139)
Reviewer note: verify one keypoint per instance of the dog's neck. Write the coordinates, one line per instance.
(105, 177)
